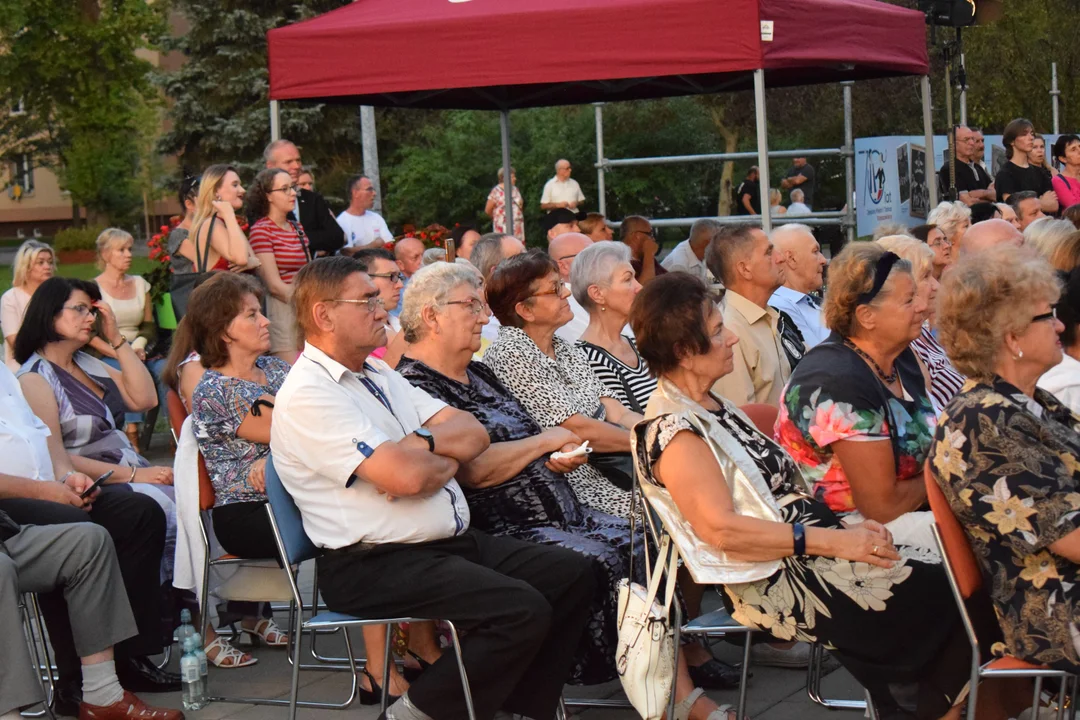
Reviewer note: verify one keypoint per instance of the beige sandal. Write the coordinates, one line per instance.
(227, 656)
(267, 631)
(682, 709)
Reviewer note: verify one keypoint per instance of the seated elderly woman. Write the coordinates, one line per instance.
(514, 487)
(855, 414)
(549, 376)
(603, 282)
(936, 241)
(741, 515)
(1005, 452)
(1063, 380)
(953, 219)
(1057, 240)
(943, 381)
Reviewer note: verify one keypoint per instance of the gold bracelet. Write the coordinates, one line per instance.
(132, 478)
(117, 345)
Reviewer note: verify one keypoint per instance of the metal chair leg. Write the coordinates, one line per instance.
(745, 679)
(295, 687)
(461, 669)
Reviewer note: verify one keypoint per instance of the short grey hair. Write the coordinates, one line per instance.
(703, 227)
(487, 253)
(594, 266)
(1047, 234)
(787, 229)
(726, 249)
(948, 216)
(797, 195)
(433, 255)
(431, 286)
(916, 252)
(890, 228)
(268, 151)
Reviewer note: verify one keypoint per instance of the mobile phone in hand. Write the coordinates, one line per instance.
(97, 483)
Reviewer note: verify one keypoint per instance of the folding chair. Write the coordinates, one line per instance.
(965, 579)
(34, 626)
(295, 547)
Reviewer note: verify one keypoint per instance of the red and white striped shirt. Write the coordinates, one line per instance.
(289, 247)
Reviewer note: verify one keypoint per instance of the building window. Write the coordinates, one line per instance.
(22, 173)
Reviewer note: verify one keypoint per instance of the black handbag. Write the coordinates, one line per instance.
(181, 286)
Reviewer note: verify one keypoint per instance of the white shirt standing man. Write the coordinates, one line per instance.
(689, 255)
(561, 191)
(364, 228)
(804, 273)
(376, 488)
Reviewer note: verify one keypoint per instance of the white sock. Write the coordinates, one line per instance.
(403, 709)
(100, 685)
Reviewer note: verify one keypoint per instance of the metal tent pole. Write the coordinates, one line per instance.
(1054, 94)
(963, 92)
(762, 146)
(601, 206)
(928, 133)
(849, 163)
(508, 185)
(275, 121)
(370, 145)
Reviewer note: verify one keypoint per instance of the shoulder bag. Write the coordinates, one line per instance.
(180, 286)
(617, 467)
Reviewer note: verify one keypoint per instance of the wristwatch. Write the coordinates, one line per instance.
(426, 435)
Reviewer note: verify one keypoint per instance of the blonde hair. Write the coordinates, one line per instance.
(914, 251)
(1056, 240)
(948, 216)
(851, 273)
(209, 185)
(25, 257)
(984, 297)
(108, 238)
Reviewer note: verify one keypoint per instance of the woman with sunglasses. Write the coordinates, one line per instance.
(1005, 452)
(856, 415)
(280, 245)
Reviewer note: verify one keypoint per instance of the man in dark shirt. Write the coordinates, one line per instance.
(637, 232)
(973, 183)
(802, 176)
(324, 234)
(748, 195)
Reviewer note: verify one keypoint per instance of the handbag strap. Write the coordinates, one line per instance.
(630, 398)
(302, 238)
(203, 259)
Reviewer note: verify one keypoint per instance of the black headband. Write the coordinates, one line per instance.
(881, 274)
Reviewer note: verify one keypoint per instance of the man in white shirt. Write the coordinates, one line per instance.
(364, 228)
(804, 273)
(490, 250)
(689, 255)
(376, 489)
(561, 191)
(31, 461)
(797, 206)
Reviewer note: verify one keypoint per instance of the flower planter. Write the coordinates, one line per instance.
(75, 257)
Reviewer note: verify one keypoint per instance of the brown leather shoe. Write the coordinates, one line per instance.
(130, 707)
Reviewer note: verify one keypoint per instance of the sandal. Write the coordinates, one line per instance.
(227, 656)
(682, 709)
(268, 632)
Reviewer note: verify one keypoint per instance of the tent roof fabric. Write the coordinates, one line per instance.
(505, 54)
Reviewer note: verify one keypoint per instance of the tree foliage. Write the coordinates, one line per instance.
(72, 66)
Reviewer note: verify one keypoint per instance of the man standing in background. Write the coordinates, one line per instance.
(561, 191)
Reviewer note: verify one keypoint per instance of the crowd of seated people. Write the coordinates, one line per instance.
(434, 492)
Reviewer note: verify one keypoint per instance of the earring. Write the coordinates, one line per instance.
(1019, 354)
(603, 308)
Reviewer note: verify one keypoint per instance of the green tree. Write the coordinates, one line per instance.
(73, 68)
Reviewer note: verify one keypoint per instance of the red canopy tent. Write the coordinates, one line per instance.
(506, 54)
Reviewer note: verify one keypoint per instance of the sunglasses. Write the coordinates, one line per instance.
(1052, 315)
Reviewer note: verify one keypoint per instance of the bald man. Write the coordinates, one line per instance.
(988, 234)
(562, 191)
(325, 236)
(804, 274)
(563, 249)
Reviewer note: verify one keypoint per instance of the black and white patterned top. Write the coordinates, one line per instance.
(553, 390)
(945, 380)
(617, 376)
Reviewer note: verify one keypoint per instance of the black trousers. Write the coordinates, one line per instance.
(523, 607)
(243, 529)
(137, 526)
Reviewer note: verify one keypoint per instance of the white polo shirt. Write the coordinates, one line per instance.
(24, 447)
(364, 230)
(558, 191)
(683, 259)
(326, 423)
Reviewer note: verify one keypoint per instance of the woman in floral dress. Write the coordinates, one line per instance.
(741, 516)
(496, 206)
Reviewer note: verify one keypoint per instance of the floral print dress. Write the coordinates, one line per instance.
(834, 395)
(1009, 467)
(866, 615)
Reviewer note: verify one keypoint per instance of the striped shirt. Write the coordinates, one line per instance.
(289, 247)
(945, 380)
(617, 376)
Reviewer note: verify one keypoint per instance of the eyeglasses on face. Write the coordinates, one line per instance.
(474, 306)
(940, 242)
(82, 310)
(393, 277)
(371, 304)
(1052, 315)
(650, 232)
(557, 289)
(287, 189)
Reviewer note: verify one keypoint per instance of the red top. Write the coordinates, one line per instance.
(514, 53)
(288, 248)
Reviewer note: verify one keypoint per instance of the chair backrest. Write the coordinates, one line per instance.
(762, 415)
(176, 411)
(177, 414)
(958, 552)
(290, 523)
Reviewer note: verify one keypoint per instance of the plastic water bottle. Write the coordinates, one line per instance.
(193, 688)
(203, 665)
(186, 629)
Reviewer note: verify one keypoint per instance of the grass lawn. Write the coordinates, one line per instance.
(86, 271)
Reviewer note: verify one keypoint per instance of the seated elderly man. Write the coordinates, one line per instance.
(377, 491)
(563, 249)
(987, 234)
(490, 250)
(744, 259)
(804, 273)
(689, 255)
(79, 561)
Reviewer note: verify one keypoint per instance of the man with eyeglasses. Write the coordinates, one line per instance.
(561, 191)
(973, 183)
(325, 236)
(377, 493)
(563, 249)
(364, 228)
(638, 233)
(385, 275)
